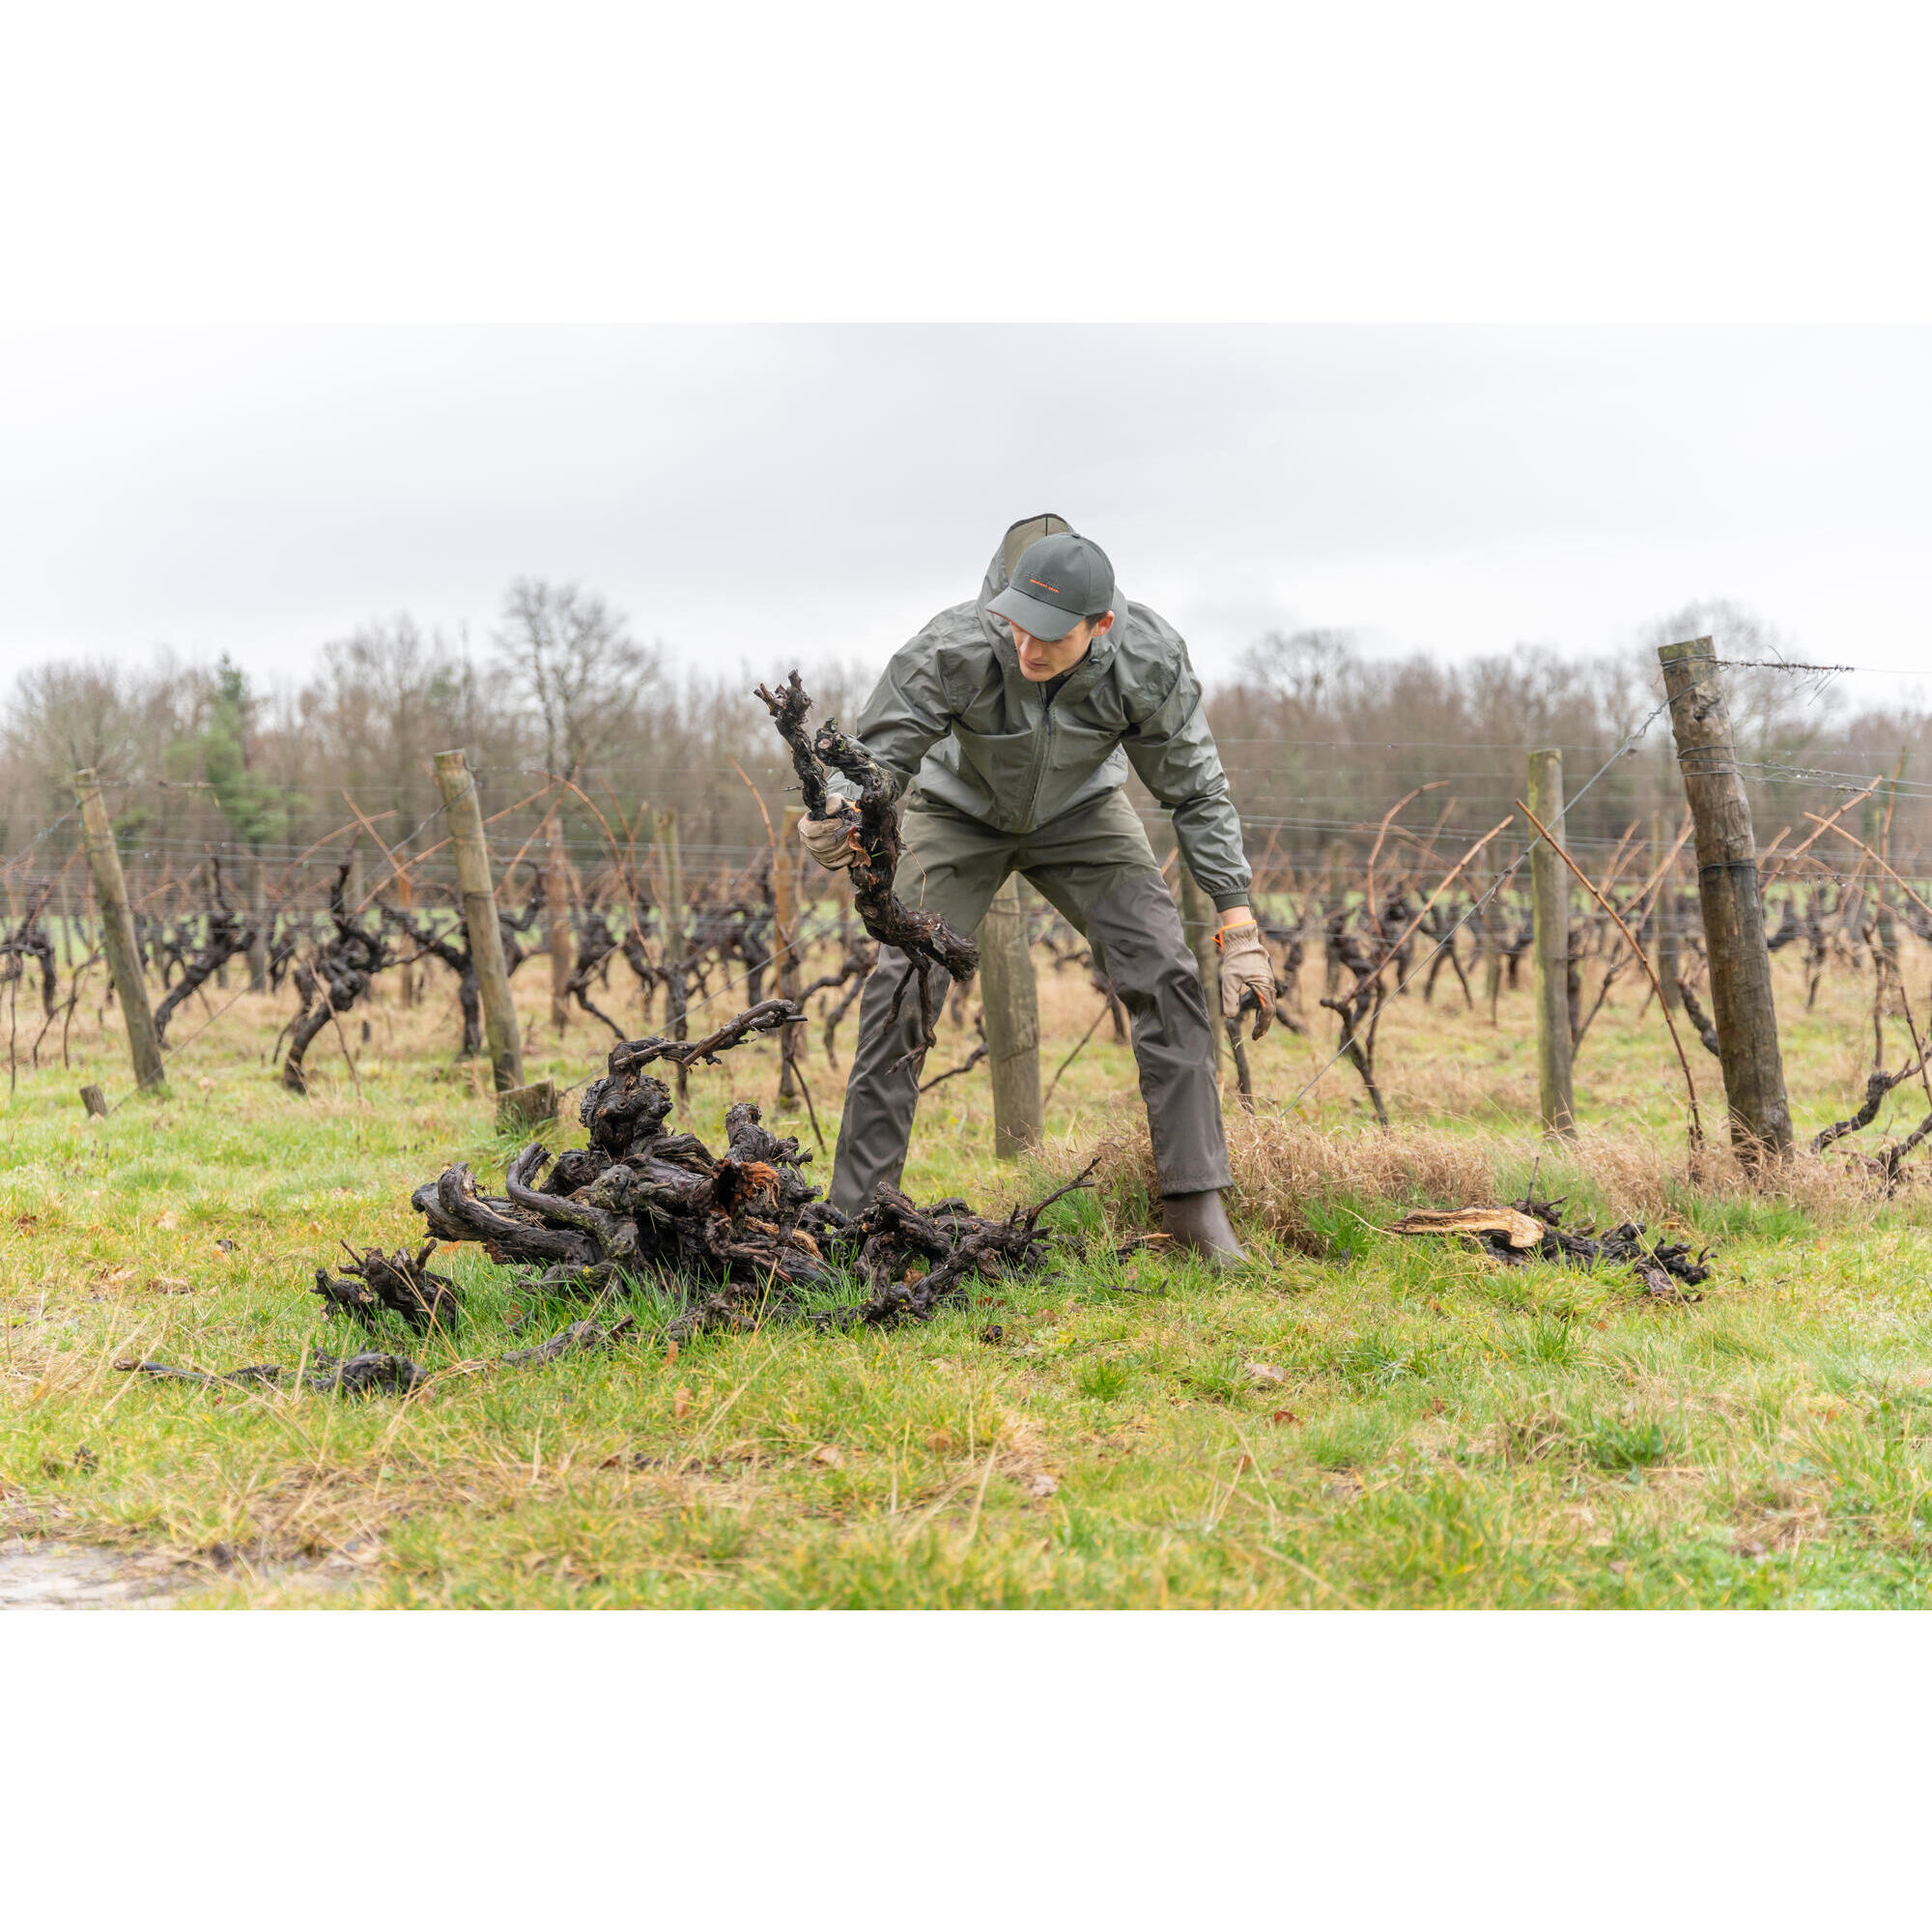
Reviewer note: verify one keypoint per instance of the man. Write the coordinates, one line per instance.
(1014, 720)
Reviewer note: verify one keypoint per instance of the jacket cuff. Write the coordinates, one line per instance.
(1228, 901)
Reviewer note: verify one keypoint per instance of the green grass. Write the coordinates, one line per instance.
(1373, 1423)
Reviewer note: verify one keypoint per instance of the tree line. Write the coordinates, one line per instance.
(1320, 738)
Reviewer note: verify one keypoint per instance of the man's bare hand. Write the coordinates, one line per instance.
(829, 840)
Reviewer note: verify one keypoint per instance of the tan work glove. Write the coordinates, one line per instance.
(1246, 969)
(829, 840)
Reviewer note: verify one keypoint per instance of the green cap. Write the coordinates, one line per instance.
(1058, 582)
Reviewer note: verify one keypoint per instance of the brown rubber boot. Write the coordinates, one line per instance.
(1199, 1221)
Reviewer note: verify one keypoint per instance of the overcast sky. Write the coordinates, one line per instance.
(755, 494)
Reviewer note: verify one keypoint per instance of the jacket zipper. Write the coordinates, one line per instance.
(1045, 765)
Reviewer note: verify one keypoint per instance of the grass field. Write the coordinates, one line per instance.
(1351, 1419)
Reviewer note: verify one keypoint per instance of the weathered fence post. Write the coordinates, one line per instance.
(1198, 919)
(258, 925)
(556, 904)
(1550, 911)
(1011, 998)
(464, 815)
(1664, 917)
(117, 927)
(1731, 894)
(674, 913)
(784, 945)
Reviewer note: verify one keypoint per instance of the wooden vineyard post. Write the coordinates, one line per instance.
(674, 909)
(673, 921)
(258, 922)
(1663, 834)
(1011, 998)
(117, 926)
(1197, 916)
(1731, 895)
(556, 903)
(1549, 907)
(464, 815)
(784, 937)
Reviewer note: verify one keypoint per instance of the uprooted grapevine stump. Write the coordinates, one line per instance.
(923, 937)
(741, 1234)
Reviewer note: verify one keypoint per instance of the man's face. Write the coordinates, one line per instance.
(1040, 661)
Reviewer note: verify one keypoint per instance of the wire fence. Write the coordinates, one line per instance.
(694, 919)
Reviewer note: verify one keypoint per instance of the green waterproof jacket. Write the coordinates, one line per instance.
(953, 718)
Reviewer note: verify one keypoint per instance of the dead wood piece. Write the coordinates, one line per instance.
(1518, 1230)
(923, 937)
(262, 1372)
(328, 1375)
(1665, 1269)
(580, 1338)
(457, 1213)
(397, 1284)
(767, 1016)
(742, 1235)
(364, 1374)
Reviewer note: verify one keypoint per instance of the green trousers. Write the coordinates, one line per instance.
(1095, 868)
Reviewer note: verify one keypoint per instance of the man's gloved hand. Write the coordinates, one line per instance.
(1246, 968)
(829, 840)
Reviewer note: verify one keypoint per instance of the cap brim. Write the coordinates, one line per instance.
(1047, 622)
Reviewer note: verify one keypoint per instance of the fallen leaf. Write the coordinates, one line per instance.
(992, 1336)
(1042, 1486)
(1284, 1415)
(1263, 1372)
(1437, 1405)
(670, 1355)
(166, 1218)
(680, 1403)
(205, 1085)
(832, 1457)
(226, 1246)
(939, 1441)
(170, 1283)
(1518, 1230)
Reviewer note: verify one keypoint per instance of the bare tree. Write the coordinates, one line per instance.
(575, 666)
(1773, 714)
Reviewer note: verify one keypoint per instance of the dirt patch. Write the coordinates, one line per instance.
(48, 1574)
(53, 1575)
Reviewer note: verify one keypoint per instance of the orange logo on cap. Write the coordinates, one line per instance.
(1054, 587)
